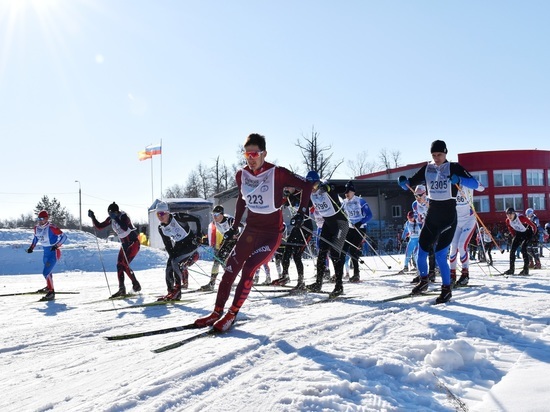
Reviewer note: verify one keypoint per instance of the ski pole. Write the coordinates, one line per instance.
(102, 264)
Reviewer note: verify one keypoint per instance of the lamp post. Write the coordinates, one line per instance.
(79, 203)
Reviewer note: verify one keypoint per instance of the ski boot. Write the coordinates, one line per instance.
(120, 293)
(445, 294)
(210, 319)
(464, 277)
(283, 280)
(421, 287)
(48, 296)
(225, 323)
(338, 290)
(209, 286)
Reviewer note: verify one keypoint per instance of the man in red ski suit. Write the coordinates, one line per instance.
(261, 186)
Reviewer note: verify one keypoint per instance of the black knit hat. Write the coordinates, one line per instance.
(350, 187)
(218, 209)
(438, 146)
(113, 207)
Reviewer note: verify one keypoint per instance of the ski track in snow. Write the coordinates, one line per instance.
(284, 355)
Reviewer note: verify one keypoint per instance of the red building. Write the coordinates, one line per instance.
(513, 178)
(516, 178)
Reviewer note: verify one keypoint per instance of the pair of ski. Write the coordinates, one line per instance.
(42, 299)
(37, 293)
(430, 293)
(191, 326)
(291, 291)
(148, 304)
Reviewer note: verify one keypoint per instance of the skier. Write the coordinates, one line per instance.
(465, 228)
(533, 248)
(181, 244)
(412, 231)
(486, 242)
(296, 242)
(267, 271)
(127, 233)
(319, 221)
(522, 230)
(359, 213)
(441, 178)
(260, 184)
(420, 208)
(50, 238)
(324, 197)
(222, 223)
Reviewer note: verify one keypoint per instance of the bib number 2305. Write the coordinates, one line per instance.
(439, 184)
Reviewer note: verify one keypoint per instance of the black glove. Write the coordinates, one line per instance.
(54, 247)
(29, 250)
(91, 213)
(197, 240)
(229, 234)
(324, 187)
(297, 220)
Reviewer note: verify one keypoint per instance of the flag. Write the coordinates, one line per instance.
(154, 149)
(143, 155)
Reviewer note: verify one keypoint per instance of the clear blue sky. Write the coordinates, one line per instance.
(85, 85)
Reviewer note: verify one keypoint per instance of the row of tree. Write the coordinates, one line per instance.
(206, 181)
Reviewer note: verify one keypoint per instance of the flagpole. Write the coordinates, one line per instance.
(152, 191)
(160, 169)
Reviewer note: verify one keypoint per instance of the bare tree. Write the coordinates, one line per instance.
(204, 176)
(175, 191)
(396, 158)
(315, 156)
(193, 185)
(389, 160)
(222, 177)
(361, 165)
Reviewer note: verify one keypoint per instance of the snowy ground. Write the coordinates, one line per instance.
(486, 350)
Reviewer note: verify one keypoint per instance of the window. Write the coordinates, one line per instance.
(482, 177)
(481, 204)
(396, 211)
(536, 201)
(503, 202)
(535, 177)
(507, 177)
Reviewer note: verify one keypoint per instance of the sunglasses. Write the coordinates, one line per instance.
(253, 154)
(216, 214)
(41, 219)
(420, 195)
(162, 214)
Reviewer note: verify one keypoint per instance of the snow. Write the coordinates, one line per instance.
(486, 350)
